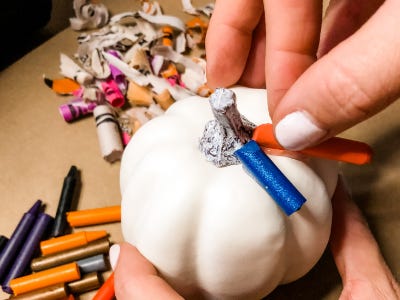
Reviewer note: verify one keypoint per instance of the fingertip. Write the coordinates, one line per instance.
(128, 265)
(137, 278)
(346, 86)
(114, 255)
(229, 39)
(224, 66)
(297, 131)
(129, 258)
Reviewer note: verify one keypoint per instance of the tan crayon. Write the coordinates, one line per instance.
(94, 216)
(93, 248)
(88, 282)
(60, 274)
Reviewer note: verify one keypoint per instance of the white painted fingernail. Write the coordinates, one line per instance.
(114, 254)
(296, 131)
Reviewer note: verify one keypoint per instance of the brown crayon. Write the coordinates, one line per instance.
(93, 248)
(88, 282)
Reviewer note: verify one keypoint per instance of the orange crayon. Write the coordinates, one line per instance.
(61, 274)
(64, 86)
(106, 291)
(335, 148)
(94, 216)
(167, 36)
(70, 241)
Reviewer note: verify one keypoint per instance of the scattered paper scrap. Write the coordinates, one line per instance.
(134, 64)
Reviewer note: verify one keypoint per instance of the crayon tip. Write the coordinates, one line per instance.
(7, 289)
(95, 235)
(3, 242)
(48, 82)
(72, 171)
(35, 208)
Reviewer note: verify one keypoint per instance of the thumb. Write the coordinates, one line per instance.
(360, 263)
(355, 80)
(135, 277)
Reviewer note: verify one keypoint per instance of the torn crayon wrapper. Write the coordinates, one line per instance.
(268, 175)
(76, 109)
(116, 73)
(112, 93)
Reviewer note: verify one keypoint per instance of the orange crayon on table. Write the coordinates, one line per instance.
(63, 86)
(106, 291)
(70, 241)
(335, 148)
(94, 216)
(61, 274)
(56, 291)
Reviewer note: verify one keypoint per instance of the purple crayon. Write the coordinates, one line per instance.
(3, 242)
(28, 250)
(16, 240)
(76, 109)
(116, 74)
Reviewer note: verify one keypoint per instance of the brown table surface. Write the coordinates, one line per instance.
(37, 149)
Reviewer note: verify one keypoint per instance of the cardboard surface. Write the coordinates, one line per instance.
(37, 148)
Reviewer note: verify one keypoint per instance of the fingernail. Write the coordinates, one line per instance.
(114, 254)
(296, 131)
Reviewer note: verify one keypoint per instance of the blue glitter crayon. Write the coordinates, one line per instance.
(268, 175)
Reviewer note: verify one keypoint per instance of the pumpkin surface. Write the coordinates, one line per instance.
(214, 232)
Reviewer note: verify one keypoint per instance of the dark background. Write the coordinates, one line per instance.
(25, 24)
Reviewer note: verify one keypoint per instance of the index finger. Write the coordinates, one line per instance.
(229, 39)
(293, 30)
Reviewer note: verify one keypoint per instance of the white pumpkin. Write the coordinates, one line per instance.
(211, 231)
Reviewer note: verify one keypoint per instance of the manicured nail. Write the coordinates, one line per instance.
(114, 254)
(296, 131)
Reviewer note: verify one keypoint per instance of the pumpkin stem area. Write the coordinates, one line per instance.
(227, 133)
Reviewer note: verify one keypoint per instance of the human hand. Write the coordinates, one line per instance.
(361, 266)
(135, 277)
(356, 75)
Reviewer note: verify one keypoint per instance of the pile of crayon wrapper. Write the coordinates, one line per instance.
(50, 258)
(128, 69)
